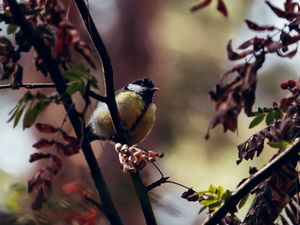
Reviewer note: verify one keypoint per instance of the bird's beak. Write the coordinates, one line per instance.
(154, 89)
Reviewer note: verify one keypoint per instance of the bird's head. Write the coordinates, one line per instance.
(143, 87)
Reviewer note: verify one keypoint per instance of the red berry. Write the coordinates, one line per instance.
(291, 83)
(284, 85)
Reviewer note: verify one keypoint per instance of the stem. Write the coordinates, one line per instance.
(140, 187)
(141, 191)
(48, 85)
(60, 85)
(252, 182)
(27, 86)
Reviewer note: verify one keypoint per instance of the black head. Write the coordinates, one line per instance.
(143, 87)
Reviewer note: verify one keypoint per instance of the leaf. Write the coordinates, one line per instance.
(281, 145)
(270, 118)
(257, 120)
(43, 143)
(208, 202)
(243, 201)
(256, 27)
(18, 116)
(232, 55)
(11, 28)
(202, 209)
(278, 114)
(277, 11)
(45, 128)
(200, 5)
(76, 86)
(72, 75)
(221, 7)
(37, 156)
(32, 113)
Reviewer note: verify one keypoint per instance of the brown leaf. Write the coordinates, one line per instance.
(232, 55)
(200, 5)
(221, 7)
(290, 54)
(256, 42)
(256, 27)
(37, 156)
(68, 137)
(273, 46)
(39, 200)
(57, 164)
(277, 11)
(43, 143)
(45, 128)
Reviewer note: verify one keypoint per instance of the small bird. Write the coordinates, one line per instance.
(136, 109)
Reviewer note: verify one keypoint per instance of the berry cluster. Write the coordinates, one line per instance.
(290, 84)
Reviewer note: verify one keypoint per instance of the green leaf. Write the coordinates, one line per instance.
(270, 118)
(257, 120)
(212, 189)
(32, 113)
(18, 116)
(243, 201)
(220, 191)
(202, 209)
(281, 145)
(11, 28)
(278, 114)
(208, 202)
(76, 86)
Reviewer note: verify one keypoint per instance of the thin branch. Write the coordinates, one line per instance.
(157, 183)
(27, 86)
(107, 69)
(95, 203)
(252, 182)
(90, 93)
(60, 85)
(112, 106)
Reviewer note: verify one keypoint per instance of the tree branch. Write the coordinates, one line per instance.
(252, 182)
(90, 93)
(27, 86)
(60, 85)
(140, 187)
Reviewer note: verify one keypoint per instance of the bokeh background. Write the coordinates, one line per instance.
(184, 54)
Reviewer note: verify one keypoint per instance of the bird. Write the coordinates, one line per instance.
(136, 110)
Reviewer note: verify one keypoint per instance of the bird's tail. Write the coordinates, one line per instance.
(91, 135)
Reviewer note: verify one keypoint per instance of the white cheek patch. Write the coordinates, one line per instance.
(136, 88)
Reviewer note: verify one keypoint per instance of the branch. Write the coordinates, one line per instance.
(90, 93)
(60, 85)
(252, 182)
(27, 86)
(140, 187)
(107, 69)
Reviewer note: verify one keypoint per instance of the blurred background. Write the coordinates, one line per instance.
(184, 54)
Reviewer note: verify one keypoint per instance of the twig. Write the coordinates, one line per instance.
(27, 86)
(252, 182)
(107, 69)
(60, 85)
(112, 106)
(95, 203)
(90, 93)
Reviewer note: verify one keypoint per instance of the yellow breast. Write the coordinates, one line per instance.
(131, 107)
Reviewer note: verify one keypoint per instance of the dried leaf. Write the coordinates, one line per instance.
(45, 128)
(256, 27)
(221, 7)
(200, 5)
(232, 55)
(277, 11)
(43, 143)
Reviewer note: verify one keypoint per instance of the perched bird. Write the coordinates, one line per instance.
(136, 109)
